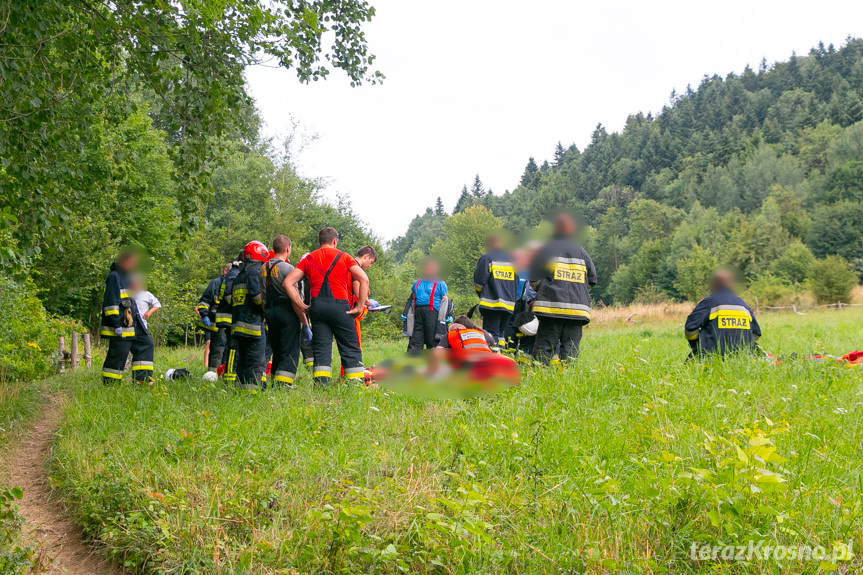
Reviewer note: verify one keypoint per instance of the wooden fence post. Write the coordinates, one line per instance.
(74, 356)
(88, 359)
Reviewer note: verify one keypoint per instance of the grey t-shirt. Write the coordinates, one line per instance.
(145, 300)
(279, 270)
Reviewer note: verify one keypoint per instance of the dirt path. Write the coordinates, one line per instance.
(61, 546)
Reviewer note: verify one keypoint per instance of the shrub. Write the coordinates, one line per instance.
(832, 280)
(693, 271)
(28, 335)
(767, 289)
(794, 264)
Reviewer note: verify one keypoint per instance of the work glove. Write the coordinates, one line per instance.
(118, 331)
(449, 319)
(206, 321)
(404, 318)
(306, 334)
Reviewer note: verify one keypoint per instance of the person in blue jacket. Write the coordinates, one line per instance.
(722, 322)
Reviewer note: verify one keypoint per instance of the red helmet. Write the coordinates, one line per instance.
(256, 251)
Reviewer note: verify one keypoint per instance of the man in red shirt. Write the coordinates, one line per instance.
(331, 274)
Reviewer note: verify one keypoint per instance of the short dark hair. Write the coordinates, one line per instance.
(327, 235)
(367, 251)
(281, 243)
(465, 321)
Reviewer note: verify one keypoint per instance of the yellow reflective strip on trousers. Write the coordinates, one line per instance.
(112, 375)
(561, 311)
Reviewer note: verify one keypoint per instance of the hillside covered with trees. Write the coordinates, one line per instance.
(761, 171)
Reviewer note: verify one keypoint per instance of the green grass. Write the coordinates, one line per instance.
(616, 464)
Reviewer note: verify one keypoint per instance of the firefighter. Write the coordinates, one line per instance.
(721, 322)
(561, 273)
(305, 291)
(224, 313)
(206, 312)
(283, 324)
(246, 359)
(496, 283)
(331, 273)
(427, 310)
(366, 256)
(122, 325)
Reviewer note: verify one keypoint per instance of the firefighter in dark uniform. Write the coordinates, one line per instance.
(122, 326)
(283, 324)
(331, 273)
(496, 283)
(224, 310)
(206, 312)
(721, 322)
(561, 273)
(246, 359)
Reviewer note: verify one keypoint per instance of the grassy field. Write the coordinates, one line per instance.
(619, 463)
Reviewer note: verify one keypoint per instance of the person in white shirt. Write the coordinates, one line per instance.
(148, 304)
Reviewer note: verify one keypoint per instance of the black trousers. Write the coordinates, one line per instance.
(246, 362)
(554, 332)
(226, 352)
(141, 347)
(218, 343)
(283, 335)
(308, 353)
(495, 322)
(330, 320)
(424, 335)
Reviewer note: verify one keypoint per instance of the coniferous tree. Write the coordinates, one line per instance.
(529, 179)
(464, 201)
(438, 207)
(559, 153)
(477, 190)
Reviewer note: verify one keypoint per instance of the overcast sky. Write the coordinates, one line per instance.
(479, 86)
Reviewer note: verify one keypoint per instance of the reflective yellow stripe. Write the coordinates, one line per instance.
(245, 331)
(496, 304)
(111, 375)
(142, 368)
(354, 375)
(690, 335)
(322, 373)
(112, 312)
(730, 313)
(283, 379)
(561, 311)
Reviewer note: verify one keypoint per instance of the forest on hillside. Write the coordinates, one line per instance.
(122, 135)
(760, 171)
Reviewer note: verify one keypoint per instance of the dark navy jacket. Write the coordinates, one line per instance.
(722, 322)
(224, 309)
(118, 307)
(208, 303)
(496, 281)
(246, 300)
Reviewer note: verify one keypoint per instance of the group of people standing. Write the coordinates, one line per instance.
(536, 300)
(264, 307)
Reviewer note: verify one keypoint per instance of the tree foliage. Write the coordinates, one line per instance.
(756, 171)
(63, 62)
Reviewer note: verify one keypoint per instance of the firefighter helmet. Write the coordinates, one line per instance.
(255, 250)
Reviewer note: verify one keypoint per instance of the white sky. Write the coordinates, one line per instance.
(479, 86)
